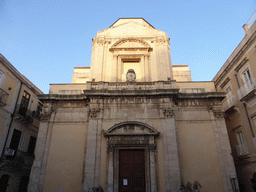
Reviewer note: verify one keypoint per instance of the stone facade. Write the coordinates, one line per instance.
(129, 100)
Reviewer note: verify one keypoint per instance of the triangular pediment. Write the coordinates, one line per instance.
(130, 28)
(131, 128)
(141, 21)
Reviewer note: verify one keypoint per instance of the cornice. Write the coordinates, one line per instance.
(19, 76)
(235, 58)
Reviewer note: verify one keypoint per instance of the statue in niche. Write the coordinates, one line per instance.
(130, 75)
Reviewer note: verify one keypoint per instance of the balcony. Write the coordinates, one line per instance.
(242, 150)
(228, 103)
(247, 90)
(23, 159)
(3, 98)
(24, 115)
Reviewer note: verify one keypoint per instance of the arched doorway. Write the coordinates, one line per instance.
(131, 151)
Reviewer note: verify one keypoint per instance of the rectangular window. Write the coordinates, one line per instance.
(15, 139)
(32, 145)
(24, 104)
(247, 76)
(1, 76)
(240, 137)
(241, 148)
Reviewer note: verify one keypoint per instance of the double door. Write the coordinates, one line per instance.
(132, 171)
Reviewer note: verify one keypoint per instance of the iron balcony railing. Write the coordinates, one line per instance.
(24, 114)
(242, 149)
(228, 102)
(3, 97)
(19, 157)
(251, 20)
(246, 89)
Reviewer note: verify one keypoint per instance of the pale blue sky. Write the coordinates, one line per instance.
(46, 39)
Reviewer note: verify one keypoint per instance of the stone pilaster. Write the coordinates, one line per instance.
(41, 154)
(152, 162)
(171, 161)
(114, 68)
(92, 157)
(223, 147)
(110, 184)
(147, 71)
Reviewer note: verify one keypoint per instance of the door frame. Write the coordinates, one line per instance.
(131, 135)
(116, 165)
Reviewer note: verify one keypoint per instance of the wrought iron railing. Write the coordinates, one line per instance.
(18, 156)
(24, 114)
(3, 97)
(251, 20)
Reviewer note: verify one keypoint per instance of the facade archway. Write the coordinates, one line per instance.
(131, 138)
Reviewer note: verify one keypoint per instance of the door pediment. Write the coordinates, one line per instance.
(131, 128)
(131, 44)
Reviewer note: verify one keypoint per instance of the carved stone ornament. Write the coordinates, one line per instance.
(131, 133)
(45, 116)
(218, 114)
(130, 75)
(130, 40)
(168, 112)
(152, 147)
(93, 113)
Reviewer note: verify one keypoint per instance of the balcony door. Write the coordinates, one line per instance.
(132, 171)
(247, 80)
(24, 104)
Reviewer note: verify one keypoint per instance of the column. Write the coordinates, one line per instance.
(147, 72)
(110, 187)
(143, 74)
(152, 170)
(114, 69)
(172, 170)
(89, 171)
(223, 147)
(119, 69)
(38, 169)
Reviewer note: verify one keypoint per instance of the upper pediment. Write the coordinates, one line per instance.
(136, 20)
(125, 28)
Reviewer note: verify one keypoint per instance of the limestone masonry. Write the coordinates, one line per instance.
(132, 121)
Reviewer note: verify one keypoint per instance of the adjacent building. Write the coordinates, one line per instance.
(237, 78)
(132, 121)
(19, 122)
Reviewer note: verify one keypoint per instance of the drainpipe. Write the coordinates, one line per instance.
(246, 112)
(12, 117)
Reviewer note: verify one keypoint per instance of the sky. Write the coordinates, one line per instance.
(45, 40)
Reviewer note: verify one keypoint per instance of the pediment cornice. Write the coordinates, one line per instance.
(131, 128)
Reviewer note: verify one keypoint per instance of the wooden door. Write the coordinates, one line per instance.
(132, 171)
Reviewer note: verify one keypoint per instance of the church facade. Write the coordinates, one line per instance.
(132, 121)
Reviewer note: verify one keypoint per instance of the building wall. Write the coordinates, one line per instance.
(239, 105)
(13, 85)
